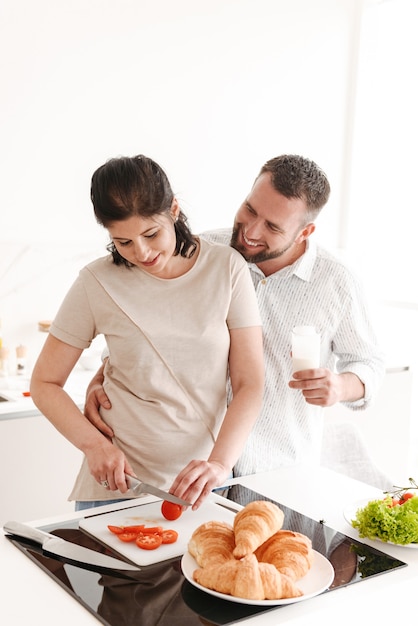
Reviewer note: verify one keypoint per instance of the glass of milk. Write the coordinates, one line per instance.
(306, 348)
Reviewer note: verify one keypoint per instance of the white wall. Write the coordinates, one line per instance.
(383, 216)
(209, 88)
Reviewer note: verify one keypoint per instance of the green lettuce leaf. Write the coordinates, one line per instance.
(398, 524)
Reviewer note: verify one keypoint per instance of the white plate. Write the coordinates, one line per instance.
(350, 514)
(317, 580)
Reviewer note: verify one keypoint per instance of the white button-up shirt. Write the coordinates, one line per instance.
(320, 291)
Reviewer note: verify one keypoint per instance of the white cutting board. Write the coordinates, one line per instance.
(150, 515)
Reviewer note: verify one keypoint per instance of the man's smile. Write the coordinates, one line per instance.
(248, 242)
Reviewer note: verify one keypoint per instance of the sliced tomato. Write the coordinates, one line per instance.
(125, 536)
(149, 542)
(152, 530)
(134, 529)
(117, 530)
(170, 536)
(170, 510)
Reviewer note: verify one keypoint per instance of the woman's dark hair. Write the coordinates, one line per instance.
(136, 186)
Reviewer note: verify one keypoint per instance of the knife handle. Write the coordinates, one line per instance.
(28, 532)
(132, 481)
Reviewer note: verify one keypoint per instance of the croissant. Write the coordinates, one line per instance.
(289, 551)
(212, 542)
(277, 585)
(254, 524)
(247, 578)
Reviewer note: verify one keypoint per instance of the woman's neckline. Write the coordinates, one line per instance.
(185, 265)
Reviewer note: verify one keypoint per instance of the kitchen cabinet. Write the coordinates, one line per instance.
(38, 467)
(37, 464)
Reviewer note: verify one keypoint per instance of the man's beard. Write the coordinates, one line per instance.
(257, 257)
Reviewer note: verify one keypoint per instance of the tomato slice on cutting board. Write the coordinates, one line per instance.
(145, 537)
(170, 536)
(127, 536)
(151, 530)
(149, 542)
(116, 530)
(138, 528)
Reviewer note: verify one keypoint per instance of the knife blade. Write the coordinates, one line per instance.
(138, 487)
(56, 546)
(229, 508)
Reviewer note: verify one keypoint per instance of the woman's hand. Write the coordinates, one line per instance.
(107, 463)
(197, 480)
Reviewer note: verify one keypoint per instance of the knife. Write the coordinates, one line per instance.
(138, 487)
(55, 546)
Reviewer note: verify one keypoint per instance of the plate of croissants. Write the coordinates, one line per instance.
(255, 561)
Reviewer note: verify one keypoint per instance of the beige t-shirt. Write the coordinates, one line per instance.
(168, 343)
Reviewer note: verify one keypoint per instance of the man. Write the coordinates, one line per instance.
(297, 283)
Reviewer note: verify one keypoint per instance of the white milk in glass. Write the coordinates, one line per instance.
(305, 348)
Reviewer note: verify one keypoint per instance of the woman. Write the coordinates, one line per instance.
(178, 314)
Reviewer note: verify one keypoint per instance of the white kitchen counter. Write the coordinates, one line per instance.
(20, 405)
(30, 596)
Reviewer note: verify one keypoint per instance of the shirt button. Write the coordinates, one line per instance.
(264, 282)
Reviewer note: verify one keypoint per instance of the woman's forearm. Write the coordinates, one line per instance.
(237, 425)
(59, 408)
(246, 367)
(55, 363)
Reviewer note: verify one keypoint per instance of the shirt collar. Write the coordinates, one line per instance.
(302, 267)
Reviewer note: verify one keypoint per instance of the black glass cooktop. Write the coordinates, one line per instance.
(160, 595)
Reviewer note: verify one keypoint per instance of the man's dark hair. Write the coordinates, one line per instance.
(296, 177)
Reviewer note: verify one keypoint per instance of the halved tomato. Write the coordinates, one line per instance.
(170, 510)
(149, 542)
